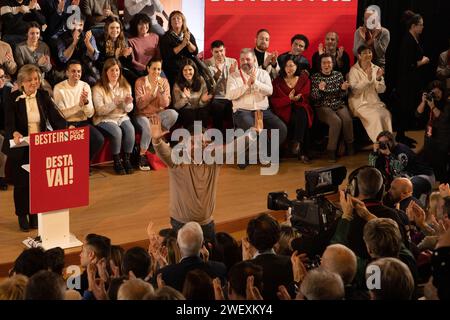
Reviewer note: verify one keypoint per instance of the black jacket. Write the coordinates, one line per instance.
(16, 118)
(174, 274)
(277, 270)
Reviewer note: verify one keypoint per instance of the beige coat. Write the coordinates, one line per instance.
(365, 103)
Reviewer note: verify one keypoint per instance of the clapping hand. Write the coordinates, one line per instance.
(298, 268)
(340, 52)
(345, 85)
(87, 37)
(32, 4)
(320, 49)
(76, 35)
(187, 93)
(117, 100)
(233, 67)
(126, 51)
(8, 56)
(294, 97)
(128, 99)
(252, 292)
(274, 57)
(43, 60)
(83, 98)
(444, 190)
(380, 73)
(322, 85)
(415, 213)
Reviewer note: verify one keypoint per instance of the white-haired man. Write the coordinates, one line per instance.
(190, 242)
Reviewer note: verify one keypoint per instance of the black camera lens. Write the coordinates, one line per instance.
(383, 145)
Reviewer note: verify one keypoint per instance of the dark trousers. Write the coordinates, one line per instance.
(96, 138)
(220, 109)
(188, 116)
(20, 178)
(209, 229)
(298, 128)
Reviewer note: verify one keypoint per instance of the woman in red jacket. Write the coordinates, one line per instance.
(290, 102)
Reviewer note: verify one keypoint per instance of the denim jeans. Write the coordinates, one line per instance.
(168, 119)
(209, 229)
(96, 138)
(245, 119)
(122, 136)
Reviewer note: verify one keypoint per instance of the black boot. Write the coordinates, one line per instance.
(118, 167)
(127, 163)
(332, 158)
(23, 223)
(33, 218)
(3, 184)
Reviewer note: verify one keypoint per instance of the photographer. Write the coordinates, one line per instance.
(398, 160)
(434, 110)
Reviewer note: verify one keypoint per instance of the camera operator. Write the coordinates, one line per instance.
(434, 110)
(369, 183)
(382, 236)
(398, 160)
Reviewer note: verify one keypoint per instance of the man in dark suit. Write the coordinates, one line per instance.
(190, 242)
(263, 233)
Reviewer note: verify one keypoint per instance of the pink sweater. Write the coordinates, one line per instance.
(146, 103)
(144, 48)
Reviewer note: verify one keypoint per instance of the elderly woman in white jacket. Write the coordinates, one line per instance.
(112, 102)
(366, 82)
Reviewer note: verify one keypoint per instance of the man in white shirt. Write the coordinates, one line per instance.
(248, 89)
(74, 99)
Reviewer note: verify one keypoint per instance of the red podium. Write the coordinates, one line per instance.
(59, 180)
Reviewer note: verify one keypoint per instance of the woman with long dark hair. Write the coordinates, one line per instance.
(290, 102)
(190, 95)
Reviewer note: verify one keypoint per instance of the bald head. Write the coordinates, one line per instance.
(339, 259)
(401, 188)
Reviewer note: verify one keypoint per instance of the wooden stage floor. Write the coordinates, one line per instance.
(122, 206)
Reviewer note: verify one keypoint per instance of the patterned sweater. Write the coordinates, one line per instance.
(332, 97)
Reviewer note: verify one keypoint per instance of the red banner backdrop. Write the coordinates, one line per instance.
(59, 170)
(236, 22)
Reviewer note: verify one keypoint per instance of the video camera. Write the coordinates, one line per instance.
(311, 212)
